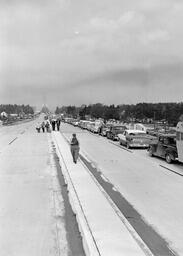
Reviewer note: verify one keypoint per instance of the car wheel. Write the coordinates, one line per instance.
(150, 152)
(168, 158)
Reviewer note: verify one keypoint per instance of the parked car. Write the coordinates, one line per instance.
(97, 126)
(165, 147)
(104, 129)
(75, 122)
(135, 139)
(83, 124)
(114, 131)
(90, 126)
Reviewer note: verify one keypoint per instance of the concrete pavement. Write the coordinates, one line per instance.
(154, 192)
(103, 231)
(31, 208)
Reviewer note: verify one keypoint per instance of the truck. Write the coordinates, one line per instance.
(179, 140)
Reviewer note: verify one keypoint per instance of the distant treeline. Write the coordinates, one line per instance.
(141, 111)
(16, 109)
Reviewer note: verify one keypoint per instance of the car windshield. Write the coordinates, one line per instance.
(170, 141)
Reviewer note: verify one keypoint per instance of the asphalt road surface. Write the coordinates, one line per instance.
(153, 188)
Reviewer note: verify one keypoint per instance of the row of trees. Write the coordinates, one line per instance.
(156, 111)
(94, 111)
(141, 111)
(16, 109)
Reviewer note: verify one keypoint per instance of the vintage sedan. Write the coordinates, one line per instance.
(104, 129)
(135, 139)
(114, 131)
(164, 146)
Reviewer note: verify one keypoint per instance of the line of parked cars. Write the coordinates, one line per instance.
(165, 145)
(116, 132)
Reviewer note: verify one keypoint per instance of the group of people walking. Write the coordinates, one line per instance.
(48, 125)
(54, 124)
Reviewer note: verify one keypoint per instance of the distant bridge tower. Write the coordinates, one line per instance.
(45, 109)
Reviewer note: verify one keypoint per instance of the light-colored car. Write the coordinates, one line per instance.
(135, 139)
(83, 124)
(75, 123)
(90, 126)
(97, 126)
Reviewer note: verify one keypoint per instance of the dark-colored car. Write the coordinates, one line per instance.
(104, 129)
(165, 147)
(114, 131)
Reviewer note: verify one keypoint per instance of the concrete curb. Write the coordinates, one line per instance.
(89, 245)
(129, 227)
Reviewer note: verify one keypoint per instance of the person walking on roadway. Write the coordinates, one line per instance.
(47, 125)
(43, 126)
(74, 148)
(53, 123)
(58, 123)
(38, 127)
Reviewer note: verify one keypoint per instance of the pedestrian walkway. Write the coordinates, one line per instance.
(103, 231)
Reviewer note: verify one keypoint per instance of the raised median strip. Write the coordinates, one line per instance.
(102, 230)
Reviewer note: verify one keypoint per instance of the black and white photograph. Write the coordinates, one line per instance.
(91, 128)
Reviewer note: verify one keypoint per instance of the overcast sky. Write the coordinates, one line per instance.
(62, 52)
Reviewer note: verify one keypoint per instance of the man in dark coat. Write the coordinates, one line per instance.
(58, 123)
(74, 148)
(53, 122)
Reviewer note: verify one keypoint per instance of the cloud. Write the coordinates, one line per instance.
(129, 19)
(124, 78)
(77, 43)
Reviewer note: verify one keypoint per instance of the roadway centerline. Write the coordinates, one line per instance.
(12, 140)
(20, 133)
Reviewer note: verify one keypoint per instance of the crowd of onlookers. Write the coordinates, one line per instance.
(50, 123)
